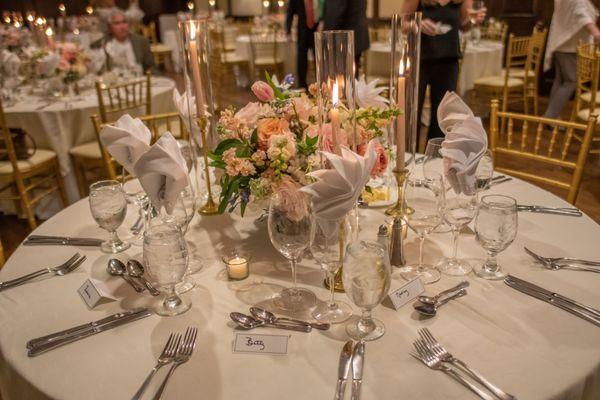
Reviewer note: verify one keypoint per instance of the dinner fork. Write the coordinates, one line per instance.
(549, 260)
(68, 266)
(184, 353)
(435, 346)
(167, 356)
(434, 362)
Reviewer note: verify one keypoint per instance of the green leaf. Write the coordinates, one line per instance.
(254, 137)
(243, 207)
(223, 205)
(226, 145)
(278, 93)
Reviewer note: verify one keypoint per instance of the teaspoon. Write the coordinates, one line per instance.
(248, 322)
(136, 270)
(270, 318)
(430, 310)
(434, 299)
(117, 268)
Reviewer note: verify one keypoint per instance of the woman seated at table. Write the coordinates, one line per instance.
(440, 48)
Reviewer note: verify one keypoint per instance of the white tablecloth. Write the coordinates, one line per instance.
(527, 347)
(286, 50)
(59, 127)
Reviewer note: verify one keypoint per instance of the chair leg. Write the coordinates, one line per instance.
(61, 184)
(27, 207)
(17, 201)
(79, 176)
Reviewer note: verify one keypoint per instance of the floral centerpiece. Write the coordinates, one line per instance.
(271, 145)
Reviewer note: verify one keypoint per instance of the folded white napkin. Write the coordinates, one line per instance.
(464, 145)
(336, 190)
(97, 59)
(46, 65)
(163, 173)
(126, 140)
(186, 106)
(10, 63)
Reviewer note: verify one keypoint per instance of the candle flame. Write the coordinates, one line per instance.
(7, 19)
(401, 68)
(212, 3)
(281, 3)
(49, 32)
(190, 5)
(266, 3)
(61, 7)
(17, 24)
(39, 21)
(335, 97)
(30, 17)
(89, 9)
(192, 30)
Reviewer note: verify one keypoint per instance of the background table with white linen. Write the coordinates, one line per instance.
(527, 347)
(286, 50)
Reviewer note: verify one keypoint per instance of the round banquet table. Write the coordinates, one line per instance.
(285, 49)
(527, 347)
(60, 125)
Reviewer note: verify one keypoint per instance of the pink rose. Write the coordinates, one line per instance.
(292, 200)
(249, 114)
(263, 91)
(381, 162)
(304, 107)
(69, 52)
(327, 138)
(268, 127)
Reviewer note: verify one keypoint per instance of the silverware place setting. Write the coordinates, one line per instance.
(566, 211)
(44, 240)
(271, 318)
(352, 356)
(133, 273)
(248, 322)
(63, 269)
(428, 305)
(498, 180)
(583, 311)
(557, 263)
(430, 352)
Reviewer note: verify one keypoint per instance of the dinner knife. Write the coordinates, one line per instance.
(358, 358)
(573, 212)
(77, 329)
(37, 350)
(551, 300)
(537, 288)
(343, 370)
(33, 240)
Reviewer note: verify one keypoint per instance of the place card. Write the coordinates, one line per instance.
(406, 293)
(261, 344)
(94, 292)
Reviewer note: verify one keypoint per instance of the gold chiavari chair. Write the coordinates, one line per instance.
(265, 53)
(28, 181)
(113, 101)
(161, 53)
(2, 257)
(531, 73)
(495, 31)
(540, 144)
(149, 32)
(158, 124)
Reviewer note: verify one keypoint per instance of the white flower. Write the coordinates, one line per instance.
(368, 94)
(282, 146)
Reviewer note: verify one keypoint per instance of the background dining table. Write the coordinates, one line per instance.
(523, 345)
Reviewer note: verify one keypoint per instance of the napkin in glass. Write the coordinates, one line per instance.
(10, 63)
(126, 140)
(464, 145)
(46, 65)
(163, 173)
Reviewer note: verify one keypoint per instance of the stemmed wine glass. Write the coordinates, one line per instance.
(328, 239)
(433, 165)
(476, 6)
(460, 206)
(484, 171)
(289, 231)
(425, 196)
(496, 227)
(166, 258)
(109, 207)
(367, 276)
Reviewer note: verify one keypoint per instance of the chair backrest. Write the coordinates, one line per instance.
(8, 149)
(149, 32)
(158, 124)
(588, 71)
(125, 96)
(495, 30)
(263, 45)
(2, 257)
(217, 43)
(535, 55)
(517, 50)
(527, 137)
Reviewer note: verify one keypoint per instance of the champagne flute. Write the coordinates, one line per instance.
(496, 227)
(109, 207)
(367, 276)
(289, 232)
(328, 239)
(433, 165)
(425, 196)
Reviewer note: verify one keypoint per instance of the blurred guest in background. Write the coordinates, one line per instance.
(105, 8)
(572, 21)
(440, 48)
(308, 19)
(349, 15)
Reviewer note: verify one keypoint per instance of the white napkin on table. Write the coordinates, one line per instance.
(336, 190)
(464, 145)
(162, 172)
(126, 140)
(10, 63)
(186, 106)
(47, 64)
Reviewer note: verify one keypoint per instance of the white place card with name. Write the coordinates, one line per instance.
(94, 291)
(406, 293)
(261, 344)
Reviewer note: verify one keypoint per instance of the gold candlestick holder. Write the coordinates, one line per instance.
(338, 283)
(210, 208)
(398, 209)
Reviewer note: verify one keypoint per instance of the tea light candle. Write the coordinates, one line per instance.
(237, 266)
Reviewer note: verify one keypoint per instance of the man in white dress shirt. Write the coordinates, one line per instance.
(126, 49)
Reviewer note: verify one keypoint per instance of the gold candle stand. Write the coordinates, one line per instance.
(210, 208)
(398, 209)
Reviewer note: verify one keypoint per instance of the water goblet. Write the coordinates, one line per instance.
(328, 239)
(109, 207)
(289, 231)
(433, 165)
(496, 227)
(484, 171)
(425, 196)
(166, 259)
(367, 276)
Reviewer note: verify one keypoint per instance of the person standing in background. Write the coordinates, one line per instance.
(308, 12)
(572, 21)
(349, 15)
(440, 49)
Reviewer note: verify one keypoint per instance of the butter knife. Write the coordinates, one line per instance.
(37, 350)
(343, 370)
(59, 240)
(358, 358)
(569, 211)
(77, 329)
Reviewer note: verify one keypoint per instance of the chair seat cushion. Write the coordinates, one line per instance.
(233, 58)
(86, 150)
(585, 114)
(160, 48)
(267, 61)
(498, 81)
(518, 73)
(587, 97)
(40, 156)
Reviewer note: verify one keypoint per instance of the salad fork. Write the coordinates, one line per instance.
(549, 260)
(184, 353)
(434, 346)
(167, 356)
(68, 266)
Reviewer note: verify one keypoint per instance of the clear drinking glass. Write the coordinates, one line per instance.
(459, 209)
(328, 239)
(484, 171)
(496, 227)
(109, 207)
(289, 231)
(433, 165)
(367, 275)
(477, 5)
(425, 196)
(166, 259)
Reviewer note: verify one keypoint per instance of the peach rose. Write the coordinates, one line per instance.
(263, 91)
(268, 127)
(304, 107)
(381, 162)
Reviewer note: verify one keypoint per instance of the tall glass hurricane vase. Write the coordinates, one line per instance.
(405, 57)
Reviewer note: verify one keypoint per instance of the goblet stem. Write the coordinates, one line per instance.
(491, 265)
(455, 236)
(331, 277)
(366, 324)
(421, 242)
(113, 237)
(293, 262)
(172, 300)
